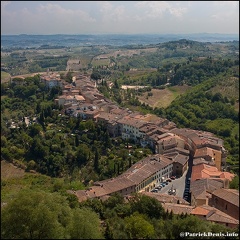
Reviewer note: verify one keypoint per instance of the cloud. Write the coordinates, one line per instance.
(105, 6)
(118, 17)
(59, 11)
(113, 13)
(45, 19)
(157, 9)
(4, 3)
(226, 3)
(225, 10)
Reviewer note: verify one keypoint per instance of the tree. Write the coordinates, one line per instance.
(96, 75)
(83, 153)
(35, 215)
(137, 227)
(114, 200)
(115, 228)
(85, 224)
(96, 159)
(235, 183)
(147, 205)
(35, 129)
(189, 223)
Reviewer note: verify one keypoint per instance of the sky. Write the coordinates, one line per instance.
(119, 17)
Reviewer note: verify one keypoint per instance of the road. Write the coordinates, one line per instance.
(178, 183)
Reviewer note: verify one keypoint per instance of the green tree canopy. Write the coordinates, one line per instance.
(35, 215)
(137, 227)
(85, 224)
(147, 205)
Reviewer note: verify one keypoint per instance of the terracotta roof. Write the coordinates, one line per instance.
(229, 195)
(161, 136)
(206, 171)
(198, 188)
(221, 217)
(169, 126)
(227, 175)
(81, 194)
(200, 211)
(197, 161)
(132, 122)
(180, 158)
(165, 198)
(177, 149)
(74, 90)
(182, 131)
(109, 117)
(79, 97)
(202, 152)
(133, 176)
(69, 97)
(196, 139)
(199, 138)
(148, 128)
(169, 142)
(213, 214)
(146, 167)
(120, 111)
(177, 208)
(113, 185)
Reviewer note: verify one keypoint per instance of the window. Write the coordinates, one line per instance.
(226, 207)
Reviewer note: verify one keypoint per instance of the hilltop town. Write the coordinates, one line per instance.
(197, 157)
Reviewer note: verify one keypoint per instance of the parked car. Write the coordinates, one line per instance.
(185, 193)
(188, 180)
(163, 184)
(173, 177)
(186, 198)
(172, 191)
(159, 187)
(154, 190)
(169, 180)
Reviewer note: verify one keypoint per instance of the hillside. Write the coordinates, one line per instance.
(5, 77)
(8, 171)
(211, 106)
(229, 88)
(162, 98)
(193, 85)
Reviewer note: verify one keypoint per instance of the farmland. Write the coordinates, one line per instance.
(162, 97)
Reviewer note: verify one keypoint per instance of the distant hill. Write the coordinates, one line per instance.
(29, 41)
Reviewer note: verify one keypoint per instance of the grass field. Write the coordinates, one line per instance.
(14, 179)
(162, 97)
(5, 77)
(100, 62)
